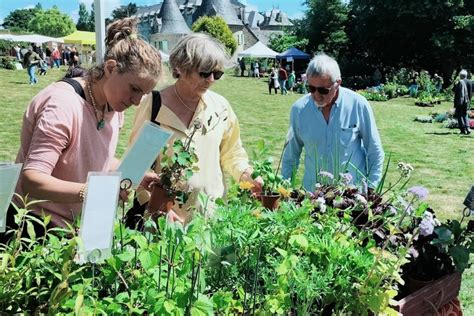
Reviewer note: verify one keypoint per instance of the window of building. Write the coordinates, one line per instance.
(163, 46)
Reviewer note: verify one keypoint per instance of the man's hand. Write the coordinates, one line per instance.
(148, 179)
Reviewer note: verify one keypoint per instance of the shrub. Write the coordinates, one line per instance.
(216, 27)
(8, 62)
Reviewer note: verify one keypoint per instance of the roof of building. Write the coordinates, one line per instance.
(171, 19)
(222, 8)
(275, 17)
(143, 12)
(264, 35)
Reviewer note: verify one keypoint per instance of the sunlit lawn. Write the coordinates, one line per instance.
(441, 157)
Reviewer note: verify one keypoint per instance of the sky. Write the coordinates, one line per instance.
(293, 8)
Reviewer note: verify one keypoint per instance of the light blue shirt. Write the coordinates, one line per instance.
(349, 142)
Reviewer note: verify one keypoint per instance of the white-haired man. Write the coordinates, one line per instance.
(336, 127)
(462, 102)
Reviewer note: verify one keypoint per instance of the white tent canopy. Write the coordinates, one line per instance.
(258, 50)
(32, 38)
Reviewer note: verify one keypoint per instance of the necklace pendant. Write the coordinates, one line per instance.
(100, 124)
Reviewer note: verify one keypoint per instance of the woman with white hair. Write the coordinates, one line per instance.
(197, 61)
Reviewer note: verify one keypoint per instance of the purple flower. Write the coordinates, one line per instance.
(419, 191)
(346, 178)
(427, 224)
(326, 174)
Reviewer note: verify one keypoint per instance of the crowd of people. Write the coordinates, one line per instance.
(37, 60)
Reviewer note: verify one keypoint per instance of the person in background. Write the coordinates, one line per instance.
(438, 81)
(336, 128)
(242, 66)
(282, 78)
(71, 128)
(30, 61)
(462, 102)
(197, 62)
(273, 81)
(291, 81)
(56, 56)
(17, 52)
(413, 88)
(256, 69)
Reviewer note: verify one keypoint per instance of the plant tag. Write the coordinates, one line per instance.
(9, 173)
(143, 152)
(98, 215)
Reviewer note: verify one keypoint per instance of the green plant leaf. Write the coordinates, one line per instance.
(299, 240)
(460, 256)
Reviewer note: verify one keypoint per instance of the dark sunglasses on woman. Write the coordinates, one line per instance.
(217, 74)
(321, 90)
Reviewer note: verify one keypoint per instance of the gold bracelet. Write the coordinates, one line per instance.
(82, 193)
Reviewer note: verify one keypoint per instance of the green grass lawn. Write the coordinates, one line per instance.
(441, 158)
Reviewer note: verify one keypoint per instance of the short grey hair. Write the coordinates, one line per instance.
(463, 74)
(197, 51)
(323, 64)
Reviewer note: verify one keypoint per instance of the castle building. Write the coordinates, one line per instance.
(165, 23)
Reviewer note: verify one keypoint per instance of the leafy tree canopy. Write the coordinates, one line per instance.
(86, 20)
(52, 23)
(216, 27)
(17, 20)
(124, 11)
(325, 26)
(282, 42)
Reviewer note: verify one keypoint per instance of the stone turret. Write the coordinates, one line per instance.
(172, 21)
(222, 8)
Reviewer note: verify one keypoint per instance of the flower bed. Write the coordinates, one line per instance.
(339, 249)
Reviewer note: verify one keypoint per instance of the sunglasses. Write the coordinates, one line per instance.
(217, 74)
(320, 90)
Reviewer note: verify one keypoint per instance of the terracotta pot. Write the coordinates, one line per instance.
(161, 201)
(270, 201)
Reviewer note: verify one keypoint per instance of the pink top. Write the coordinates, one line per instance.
(59, 137)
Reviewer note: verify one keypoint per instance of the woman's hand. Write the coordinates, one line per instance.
(257, 182)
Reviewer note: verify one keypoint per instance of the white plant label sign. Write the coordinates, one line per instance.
(143, 152)
(9, 173)
(98, 215)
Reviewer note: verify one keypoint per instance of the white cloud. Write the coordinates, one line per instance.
(30, 6)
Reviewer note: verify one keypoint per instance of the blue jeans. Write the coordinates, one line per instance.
(57, 62)
(283, 86)
(32, 74)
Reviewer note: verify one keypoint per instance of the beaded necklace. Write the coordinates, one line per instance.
(181, 100)
(99, 115)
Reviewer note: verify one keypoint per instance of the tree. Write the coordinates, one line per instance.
(399, 34)
(86, 20)
(18, 20)
(281, 42)
(52, 23)
(325, 26)
(216, 27)
(124, 11)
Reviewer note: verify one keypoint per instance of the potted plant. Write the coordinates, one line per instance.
(274, 186)
(177, 165)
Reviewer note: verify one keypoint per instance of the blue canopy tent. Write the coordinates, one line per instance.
(293, 53)
(297, 59)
